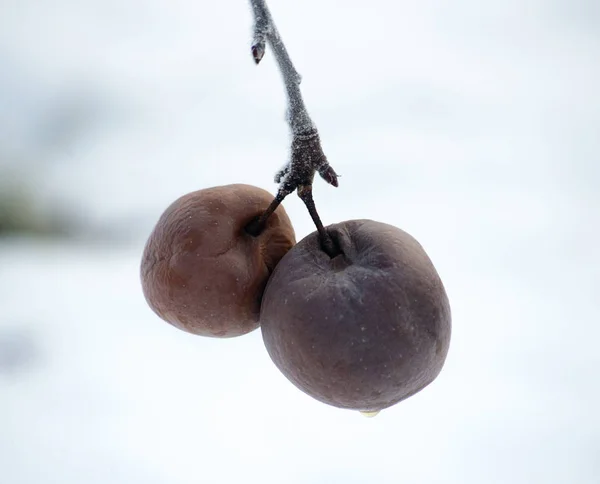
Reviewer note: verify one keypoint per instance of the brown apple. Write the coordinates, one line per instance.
(202, 271)
(363, 330)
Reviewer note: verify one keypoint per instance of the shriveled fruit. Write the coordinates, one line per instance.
(202, 271)
(363, 330)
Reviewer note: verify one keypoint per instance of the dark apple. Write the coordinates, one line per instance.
(362, 330)
(202, 271)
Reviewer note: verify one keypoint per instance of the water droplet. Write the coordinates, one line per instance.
(363, 327)
(369, 414)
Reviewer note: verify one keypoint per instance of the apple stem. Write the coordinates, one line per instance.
(307, 156)
(257, 225)
(305, 194)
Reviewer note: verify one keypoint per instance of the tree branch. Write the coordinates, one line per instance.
(307, 156)
(266, 31)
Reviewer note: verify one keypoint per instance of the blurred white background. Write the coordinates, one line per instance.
(472, 125)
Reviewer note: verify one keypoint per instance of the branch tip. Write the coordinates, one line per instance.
(258, 51)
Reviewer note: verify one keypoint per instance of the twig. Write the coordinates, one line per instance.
(307, 155)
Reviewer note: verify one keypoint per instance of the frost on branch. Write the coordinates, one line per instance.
(307, 156)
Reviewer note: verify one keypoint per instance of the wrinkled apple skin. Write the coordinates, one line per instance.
(202, 272)
(361, 331)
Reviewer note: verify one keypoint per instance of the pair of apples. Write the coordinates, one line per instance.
(361, 330)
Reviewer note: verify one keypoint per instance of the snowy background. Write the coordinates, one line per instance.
(472, 125)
